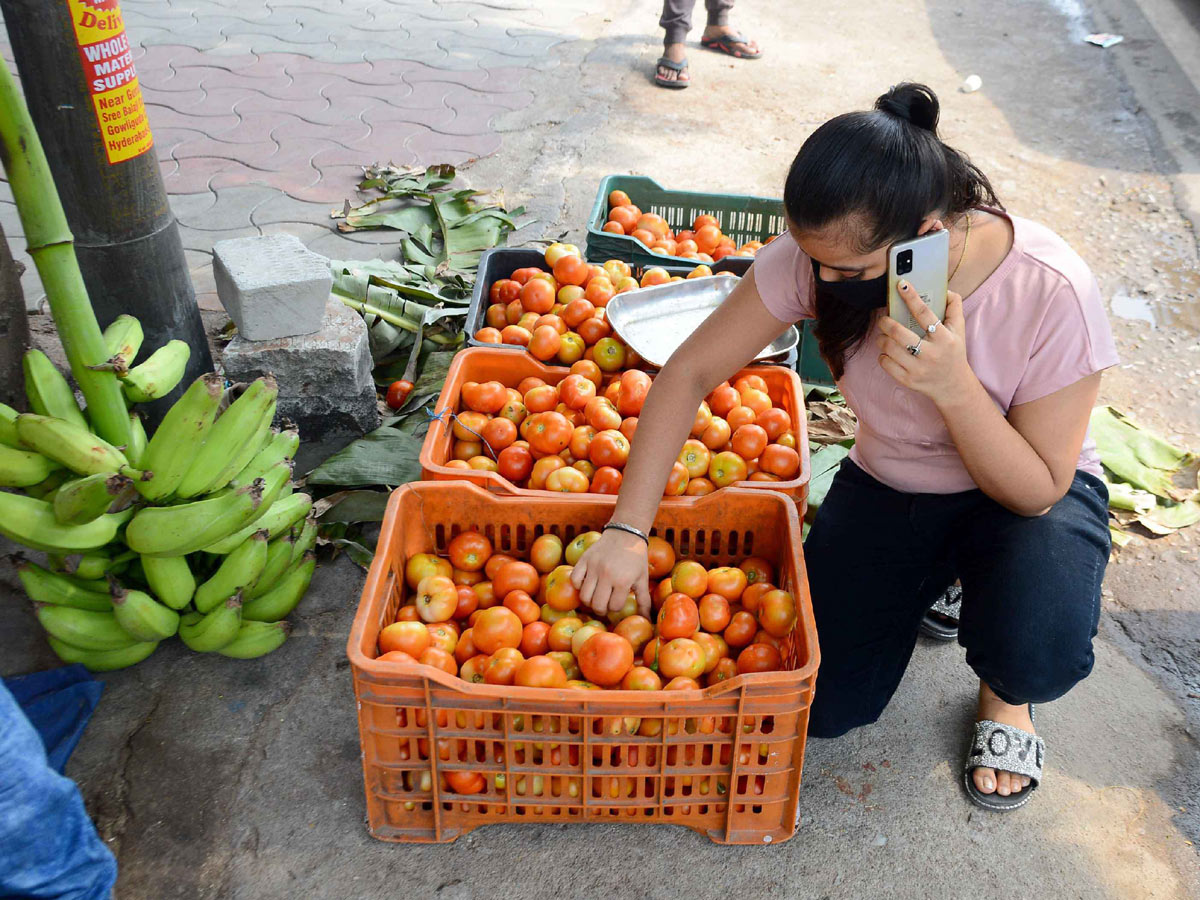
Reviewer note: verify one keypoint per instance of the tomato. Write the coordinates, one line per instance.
(542, 470)
(545, 342)
(437, 598)
(695, 457)
(630, 607)
(779, 460)
(777, 613)
(682, 683)
(411, 637)
(787, 439)
(488, 397)
(635, 629)
(420, 565)
(514, 463)
(609, 448)
(537, 296)
(606, 480)
(567, 480)
(571, 349)
(397, 393)
(691, 578)
(468, 425)
(555, 322)
(488, 336)
(726, 669)
(535, 639)
(549, 432)
(468, 602)
(699, 487)
(640, 678)
(576, 548)
(593, 331)
(634, 385)
(499, 433)
(677, 480)
(465, 649)
(613, 392)
(757, 400)
(469, 551)
(678, 618)
(681, 657)
(714, 649)
(515, 575)
(586, 468)
(702, 421)
(576, 391)
(515, 334)
(560, 592)
(439, 659)
(408, 614)
(541, 671)
(515, 411)
(601, 414)
(509, 290)
(757, 569)
(610, 353)
(727, 581)
(714, 613)
(541, 398)
(716, 435)
(443, 636)
(562, 632)
(522, 276)
(497, 627)
(465, 451)
(580, 637)
(546, 552)
(741, 629)
(727, 468)
(749, 441)
(759, 658)
(752, 596)
(502, 669)
(570, 269)
(523, 605)
(566, 660)
(604, 658)
(765, 637)
(775, 422)
(472, 668)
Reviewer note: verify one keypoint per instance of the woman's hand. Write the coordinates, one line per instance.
(611, 568)
(940, 370)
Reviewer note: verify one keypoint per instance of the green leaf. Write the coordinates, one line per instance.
(352, 506)
(1168, 517)
(1126, 496)
(386, 456)
(824, 465)
(1138, 456)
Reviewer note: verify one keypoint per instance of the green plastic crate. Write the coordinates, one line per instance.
(742, 218)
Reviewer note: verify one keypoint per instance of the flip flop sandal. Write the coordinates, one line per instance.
(674, 84)
(1004, 748)
(941, 619)
(727, 43)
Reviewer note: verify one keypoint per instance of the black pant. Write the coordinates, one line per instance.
(877, 558)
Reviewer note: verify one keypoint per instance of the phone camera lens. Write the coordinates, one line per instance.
(904, 262)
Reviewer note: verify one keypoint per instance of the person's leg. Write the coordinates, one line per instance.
(47, 842)
(874, 561)
(718, 26)
(1031, 605)
(676, 22)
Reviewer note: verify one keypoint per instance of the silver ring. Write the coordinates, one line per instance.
(930, 329)
(915, 349)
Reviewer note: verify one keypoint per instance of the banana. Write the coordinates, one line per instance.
(48, 391)
(95, 565)
(180, 436)
(122, 341)
(136, 451)
(158, 375)
(281, 446)
(177, 530)
(256, 639)
(233, 441)
(8, 426)
(281, 516)
(237, 571)
(44, 586)
(84, 499)
(306, 539)
(281, 600)
(207, 633)
(83, 628)
(141, 615)
(23, 468)
(31, 522)
(170, 578)
(102, 660)
(44, 489)
(72, 445)
(279, 558)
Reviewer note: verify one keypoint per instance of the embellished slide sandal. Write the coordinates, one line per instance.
(941, 620)
(1008, 749)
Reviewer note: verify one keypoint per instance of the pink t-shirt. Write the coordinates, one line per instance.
(1035, 326)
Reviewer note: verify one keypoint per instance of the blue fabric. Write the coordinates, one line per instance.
(48, 845)
(58, 703)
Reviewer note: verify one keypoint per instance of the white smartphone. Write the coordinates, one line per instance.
(923, 262)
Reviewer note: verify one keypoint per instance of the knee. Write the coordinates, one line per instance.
(1033, 672)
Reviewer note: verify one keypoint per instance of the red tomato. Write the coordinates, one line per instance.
(468, 602)
(440, 659)
(759, 658)
(609, 448)
(682, 657)
(562, 632)
(749, 441)
(410, 637)
(604, 658)
(541, 671)
(461, 782)
(660, 556)
(495, 628)
(576, 391)
(634, 386)
(601, 414)
(473, 668)
(469, 551)
(775, 422)
(640, 678)
(678, 618)
(542, 470)
(757, 569)
(777, 613)
(714, 613)
(488, 397)
(561, 594)
(741, 629)
(523, 605)
(514, 463)
(606, 480)
(397, 393)
(727, 581)
(691, 578)
(466, 647)
(754, 594)
(537, 296)
(726, 669)
(677, 480)
(535, 639)
(779, 460)
(549, 432)
(515, 576)
(635, 629)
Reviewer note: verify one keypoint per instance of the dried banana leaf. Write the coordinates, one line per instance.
(1140, 457)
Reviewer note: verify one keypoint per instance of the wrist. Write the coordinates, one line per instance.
(964, 394)
(619, 527)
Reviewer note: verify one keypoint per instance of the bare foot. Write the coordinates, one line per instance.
(716, 31)
(675, 53)
(992, 707)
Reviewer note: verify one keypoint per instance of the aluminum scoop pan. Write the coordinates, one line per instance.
(654, 321)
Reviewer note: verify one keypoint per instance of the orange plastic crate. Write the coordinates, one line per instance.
(724, 761)
(487, 364)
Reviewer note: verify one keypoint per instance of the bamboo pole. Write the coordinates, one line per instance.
(52, 247)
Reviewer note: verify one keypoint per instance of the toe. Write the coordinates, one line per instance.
(985, 780)
(1003, 785)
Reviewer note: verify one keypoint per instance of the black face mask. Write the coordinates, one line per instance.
(865, 294)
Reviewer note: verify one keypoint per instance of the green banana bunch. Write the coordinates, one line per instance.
(44, 586)
(283, 513)
(32, 522)
(281, 446)
(256, 639)
(279, 559)
(282, 599)
(23, 468)
(102, 660)
(141, 616)
(72, 446)
(180, 436)
(237, 571)
(136, 451)
(84, 499)
(306, 538)
(122, 341)
(158, 375)
(233, 441)
(48, 391)
(83, 628)
(92, 566)
(187, 527)
(170, 578)
(206, 633)
(8, 426)
(44, 489)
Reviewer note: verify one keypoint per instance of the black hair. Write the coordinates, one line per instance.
(879, 173)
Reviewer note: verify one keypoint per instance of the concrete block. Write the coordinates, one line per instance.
(271, 285)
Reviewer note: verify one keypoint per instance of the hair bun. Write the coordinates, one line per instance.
(914, 103)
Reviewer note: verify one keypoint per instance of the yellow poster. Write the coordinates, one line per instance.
(112, 82)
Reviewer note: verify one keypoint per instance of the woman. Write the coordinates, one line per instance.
(676, 22)
(972, 459)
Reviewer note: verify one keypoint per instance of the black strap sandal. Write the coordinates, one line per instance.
(676, 83)
(728, 43)
(941, 619)
(1005, 749)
